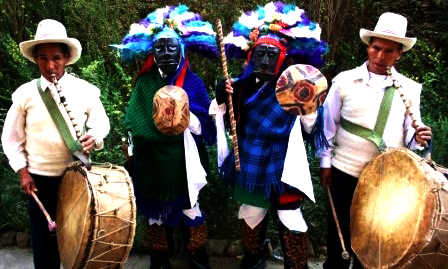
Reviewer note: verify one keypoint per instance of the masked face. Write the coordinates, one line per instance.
(265, 59)
(167, 54)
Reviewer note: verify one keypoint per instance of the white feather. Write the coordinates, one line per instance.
(238, 41)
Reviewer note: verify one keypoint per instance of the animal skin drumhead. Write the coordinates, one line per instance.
(392, 209)
(96, 217)
(301, 89)
(170, 110)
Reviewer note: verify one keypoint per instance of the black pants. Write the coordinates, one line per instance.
(342, 189)
(44, 243)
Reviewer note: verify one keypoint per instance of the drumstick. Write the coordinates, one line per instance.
(345, 254)
(229, 98)
(51, 224)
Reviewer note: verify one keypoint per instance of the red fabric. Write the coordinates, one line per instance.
(148, 65)
(288, 198)
(180, 79)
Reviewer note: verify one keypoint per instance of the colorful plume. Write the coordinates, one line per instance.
(193, 33)
(287, 22)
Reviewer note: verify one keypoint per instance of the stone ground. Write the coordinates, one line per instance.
(21, 258)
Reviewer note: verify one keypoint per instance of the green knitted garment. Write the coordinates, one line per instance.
(161, 170)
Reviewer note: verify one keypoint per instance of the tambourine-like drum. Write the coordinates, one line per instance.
(399, 213)
(170, 110)
(96, 217)
(301, 89)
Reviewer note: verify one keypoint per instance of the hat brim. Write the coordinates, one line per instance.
(26, 48)
(407, 42)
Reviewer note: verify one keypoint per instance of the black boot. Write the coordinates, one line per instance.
(255, 246)
(295, 248)
(195, 238)
(161, 243)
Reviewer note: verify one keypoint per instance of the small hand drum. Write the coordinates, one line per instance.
(170, 110)
(301, 89)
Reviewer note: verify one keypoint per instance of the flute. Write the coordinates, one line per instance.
(82, 157)
(398, 87)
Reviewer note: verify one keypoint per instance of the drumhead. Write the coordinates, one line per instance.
(392, 209)
(301, 89)
(73, 218)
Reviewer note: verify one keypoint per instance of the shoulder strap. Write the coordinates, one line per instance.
(58, 119)
(375, 135)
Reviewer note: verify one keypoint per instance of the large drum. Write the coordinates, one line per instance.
(96, 217)
(399, 213)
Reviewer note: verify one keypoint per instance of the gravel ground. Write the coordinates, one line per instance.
(19, 258)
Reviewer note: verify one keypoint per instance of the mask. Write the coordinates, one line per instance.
(265, 59)
(167, 54)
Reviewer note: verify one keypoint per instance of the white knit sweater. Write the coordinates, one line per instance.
(358, 101)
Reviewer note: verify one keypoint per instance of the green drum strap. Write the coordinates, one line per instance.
(58, 120)
(375, 135)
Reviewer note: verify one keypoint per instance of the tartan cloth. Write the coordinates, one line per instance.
(160, 176)
(263, 140)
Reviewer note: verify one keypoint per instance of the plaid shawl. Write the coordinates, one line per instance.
(263, 139)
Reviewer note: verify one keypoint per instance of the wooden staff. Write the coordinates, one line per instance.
(345, 254)
(51, 224)
(398, 87)
(229, 98)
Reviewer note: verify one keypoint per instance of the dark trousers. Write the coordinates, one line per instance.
(44, 243)
(342, 189)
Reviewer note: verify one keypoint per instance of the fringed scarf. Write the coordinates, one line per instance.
(263, 141)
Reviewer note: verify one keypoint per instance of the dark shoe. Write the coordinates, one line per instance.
(159, 259)
(255, 261)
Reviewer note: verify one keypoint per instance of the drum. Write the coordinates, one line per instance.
(170, 110)
(399, 213)
(301, 89)
(96, 217)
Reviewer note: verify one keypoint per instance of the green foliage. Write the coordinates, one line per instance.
(13, 206)
(425, 64)
(115, 87)
(14, 69)
(439, 140)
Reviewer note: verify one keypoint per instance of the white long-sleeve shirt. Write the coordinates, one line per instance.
(30, 138)
(368, 90)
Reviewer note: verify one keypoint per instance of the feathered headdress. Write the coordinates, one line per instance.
(284, 22)
(188, 27)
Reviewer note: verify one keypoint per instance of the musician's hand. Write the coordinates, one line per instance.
(325, 177)
(423, 134)
(223, 88)
(26, 181)
(88, 143)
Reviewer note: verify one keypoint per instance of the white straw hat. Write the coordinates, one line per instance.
(51, 31)
(390, 26)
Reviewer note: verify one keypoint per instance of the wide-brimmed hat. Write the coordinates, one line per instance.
(390, 26)
(51, 31)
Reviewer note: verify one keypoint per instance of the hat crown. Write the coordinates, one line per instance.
(50, 29)
(392, 24)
